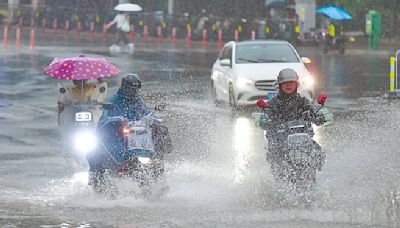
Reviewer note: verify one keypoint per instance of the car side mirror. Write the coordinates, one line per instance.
(322, 98)
(262, 104)
(225, 62)
(107, 106)
(306, 60)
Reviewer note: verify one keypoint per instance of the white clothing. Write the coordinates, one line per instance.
(121, 19)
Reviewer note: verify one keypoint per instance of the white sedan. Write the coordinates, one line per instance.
(247, 71)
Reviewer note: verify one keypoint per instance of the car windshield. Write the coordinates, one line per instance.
(265, 53)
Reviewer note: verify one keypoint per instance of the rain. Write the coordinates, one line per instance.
(212, 168)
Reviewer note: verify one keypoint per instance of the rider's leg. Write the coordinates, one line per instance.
(119, 36)
(124, 38)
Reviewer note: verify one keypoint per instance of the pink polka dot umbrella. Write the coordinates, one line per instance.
(81, 68)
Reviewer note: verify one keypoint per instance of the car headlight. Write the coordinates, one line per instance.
(215, 75)
(85, 141)
(307, 81)
(244, 82)
(144, 160)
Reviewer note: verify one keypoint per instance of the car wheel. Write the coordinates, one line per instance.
(232, 101)
(214, 95)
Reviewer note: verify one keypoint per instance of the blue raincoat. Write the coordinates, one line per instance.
(130, 109)
(109, 123)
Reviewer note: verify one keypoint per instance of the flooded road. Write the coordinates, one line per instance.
(217, 174)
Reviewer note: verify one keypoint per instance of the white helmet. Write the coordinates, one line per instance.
(287, 75)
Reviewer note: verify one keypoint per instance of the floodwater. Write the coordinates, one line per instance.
(217, 174)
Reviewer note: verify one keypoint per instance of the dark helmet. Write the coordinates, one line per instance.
(131, 84)
(287, 75)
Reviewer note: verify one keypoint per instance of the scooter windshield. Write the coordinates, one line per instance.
(140, 137)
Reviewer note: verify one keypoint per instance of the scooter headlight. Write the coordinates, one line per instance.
(144, 160)
(85, 141)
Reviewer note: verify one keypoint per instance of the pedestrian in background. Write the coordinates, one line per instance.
(123, 27)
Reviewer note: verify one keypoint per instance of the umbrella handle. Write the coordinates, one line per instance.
(60, 110)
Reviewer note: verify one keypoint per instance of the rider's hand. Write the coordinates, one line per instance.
(319, 120)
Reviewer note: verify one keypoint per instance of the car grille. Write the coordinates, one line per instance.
(266, 85)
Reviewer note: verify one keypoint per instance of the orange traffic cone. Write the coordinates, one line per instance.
(5, 37)
(32, 39)
(18, 38)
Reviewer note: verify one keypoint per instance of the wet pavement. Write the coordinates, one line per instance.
(217, 174)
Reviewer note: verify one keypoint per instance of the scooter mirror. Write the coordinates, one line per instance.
(322, 98)
(107, 106)
(262, 104)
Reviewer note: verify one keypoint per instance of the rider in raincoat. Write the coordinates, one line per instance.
(127, 102)
(287, 106)
(128, 105)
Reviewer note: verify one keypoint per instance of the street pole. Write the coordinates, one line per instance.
(170, 7)
(35, 4)
(170, 15)
(392, 75)
(12, 7)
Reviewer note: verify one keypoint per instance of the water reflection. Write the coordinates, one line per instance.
(336, 71)
(242, 143)
(67, 225)
(350, 76)
(80, 178)
(317, 134)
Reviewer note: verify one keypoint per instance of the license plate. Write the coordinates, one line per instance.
(83, 116)
(270, 95)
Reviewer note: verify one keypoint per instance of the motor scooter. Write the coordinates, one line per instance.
(293, 155)
(132, 150)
